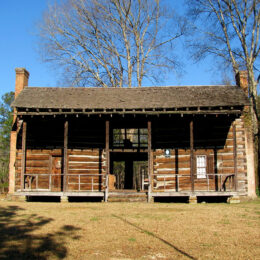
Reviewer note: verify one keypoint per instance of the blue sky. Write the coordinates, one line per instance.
(18, 48)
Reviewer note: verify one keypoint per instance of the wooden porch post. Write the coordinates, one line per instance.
(192, 155)
(23, 161)
(235, 154)
(65, 155)
(107, 160)
(150, 160)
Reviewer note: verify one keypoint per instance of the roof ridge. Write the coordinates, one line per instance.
(134, 88)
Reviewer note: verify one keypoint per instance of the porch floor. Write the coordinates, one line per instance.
(68, 194)
(131, 193)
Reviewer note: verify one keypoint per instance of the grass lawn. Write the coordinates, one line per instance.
(36, 230)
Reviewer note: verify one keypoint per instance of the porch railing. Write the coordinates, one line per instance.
(183, 182)
(99, 182)
(91, 185)
(74, 182)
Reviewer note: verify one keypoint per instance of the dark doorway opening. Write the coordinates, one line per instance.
(129, 170)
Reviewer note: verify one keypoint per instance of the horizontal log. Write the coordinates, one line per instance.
(84, 152)
(227, 164)
(239, 142)
(180, 152)
(84, 159)
(84, 171)
(34, 164)
(83, 166)
(85, 179)
(172, 165)
(166, 187)
(37, 157)
(227, 170)
(35, 170)
(160, 178)
(171, 160)
(223, 157)
(85, 187)
(166, 171)
(225, 150)
(44, 151)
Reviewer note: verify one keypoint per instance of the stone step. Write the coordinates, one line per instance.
(130, 195)
(127, 199)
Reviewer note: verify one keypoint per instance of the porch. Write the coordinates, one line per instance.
(82, 185)
(163, 155)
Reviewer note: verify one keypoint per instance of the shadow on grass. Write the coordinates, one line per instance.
(155, 236)
(18, 240)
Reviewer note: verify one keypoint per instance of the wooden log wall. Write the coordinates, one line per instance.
(45, 147)
(38, 162)
(90, 165)
(213, 138)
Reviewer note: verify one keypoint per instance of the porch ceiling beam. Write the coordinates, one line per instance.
(184, 112)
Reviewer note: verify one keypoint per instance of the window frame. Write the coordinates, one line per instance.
(205, 167)
(140, 135)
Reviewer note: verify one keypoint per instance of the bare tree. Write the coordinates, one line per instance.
(229, 30)
(109, 43)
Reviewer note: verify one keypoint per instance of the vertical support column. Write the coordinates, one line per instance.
(192, 155)
(235, 154)
(23, 161)
(150, 160)
(65, 155)
(107, 160)
(13, 138)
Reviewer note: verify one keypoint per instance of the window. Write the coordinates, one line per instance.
(130, 137)
(201, 166)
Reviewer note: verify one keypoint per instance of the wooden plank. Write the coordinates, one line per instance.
(65, 155)
(192, 155)
(23, 160)
(235, 154)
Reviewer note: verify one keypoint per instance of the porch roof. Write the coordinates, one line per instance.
(131, 98)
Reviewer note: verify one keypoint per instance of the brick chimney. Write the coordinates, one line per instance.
(242, 80)
(21, 81)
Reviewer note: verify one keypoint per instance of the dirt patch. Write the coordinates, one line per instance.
(32, 230)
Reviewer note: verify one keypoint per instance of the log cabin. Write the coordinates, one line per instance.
(152, 142)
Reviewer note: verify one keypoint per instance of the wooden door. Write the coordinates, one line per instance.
(56, 173)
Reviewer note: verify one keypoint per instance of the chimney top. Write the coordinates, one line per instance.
(22, 70)
(21, 81)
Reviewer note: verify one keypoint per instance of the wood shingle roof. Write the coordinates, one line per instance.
(130, 98)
